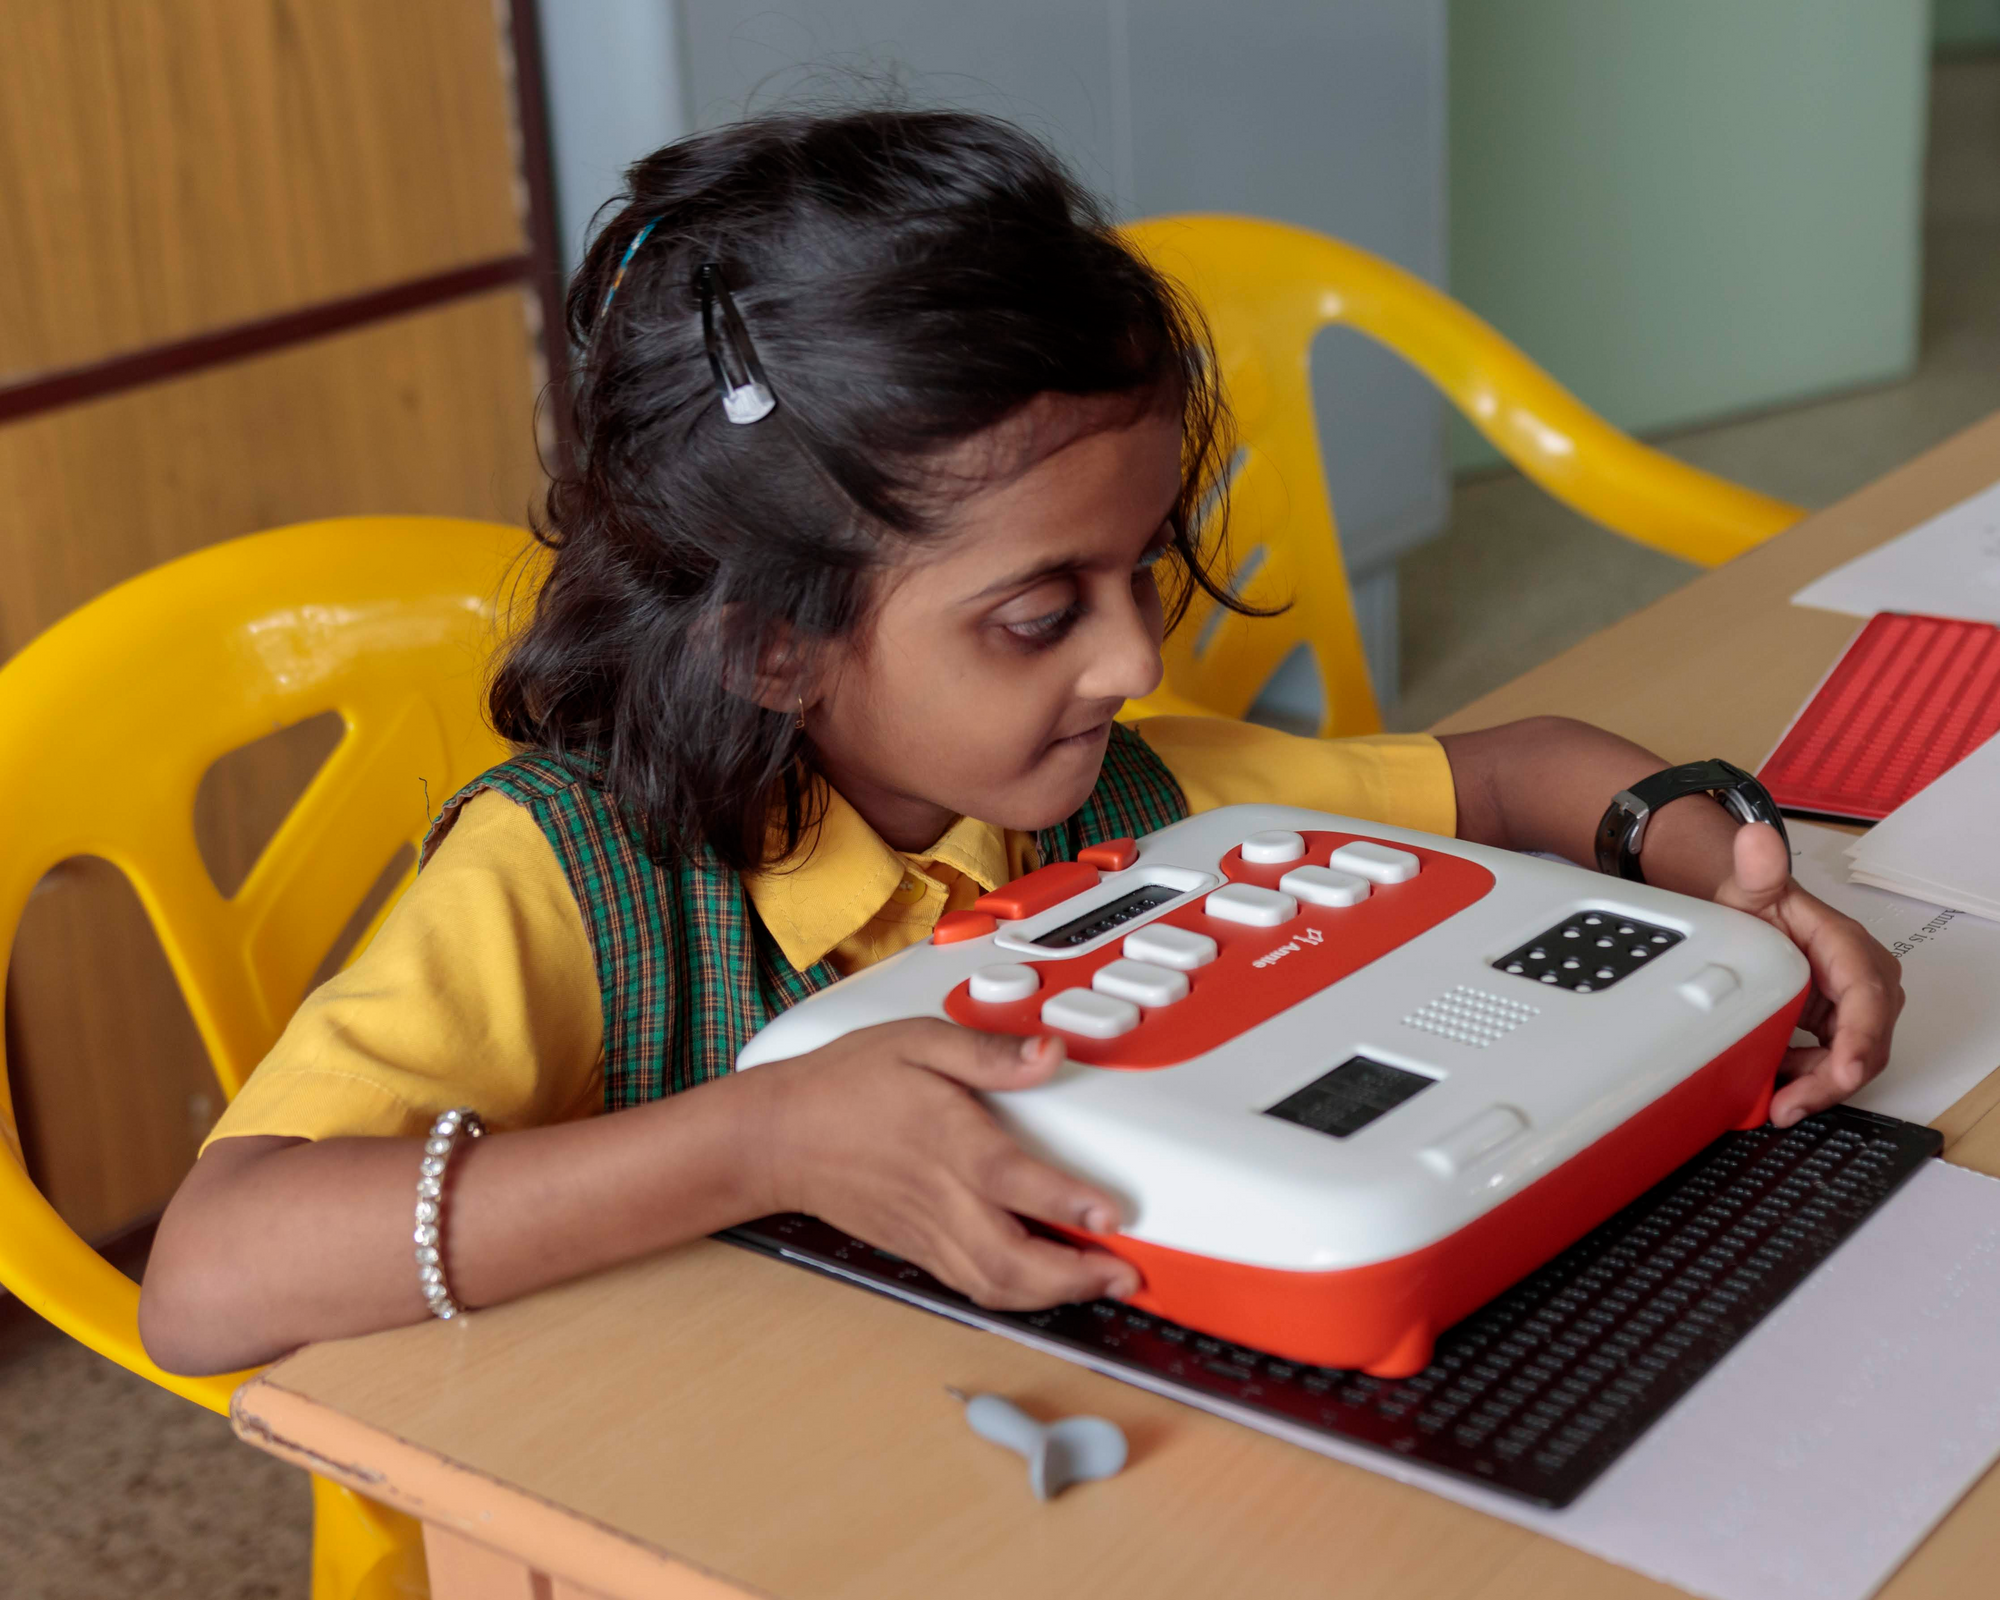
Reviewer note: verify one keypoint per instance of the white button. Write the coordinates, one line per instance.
(1094, 1015)
(1375, 862)
(1319, 887)
(1141, 982)
(997, 985)
(1164, 945)
(1246, 903)
(1484, 1134)
(1708, 988)
(1270, 849)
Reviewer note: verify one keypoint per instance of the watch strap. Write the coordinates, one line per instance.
(1621, 832)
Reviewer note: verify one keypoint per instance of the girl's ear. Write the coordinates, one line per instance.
(783, 675)
(781, 680)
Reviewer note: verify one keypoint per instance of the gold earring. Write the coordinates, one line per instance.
(800, 725)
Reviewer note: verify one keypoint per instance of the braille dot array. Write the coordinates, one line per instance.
(1471, 1016)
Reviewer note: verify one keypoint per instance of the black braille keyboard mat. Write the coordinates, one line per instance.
(1541, 1389)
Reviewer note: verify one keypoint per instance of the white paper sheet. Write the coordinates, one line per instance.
(1938, 845)
(1947, 567)
(1948, 1037)
(1820, 1451)
(1949, 896)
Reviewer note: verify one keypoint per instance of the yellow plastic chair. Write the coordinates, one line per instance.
(1267, 289)
(388, 622)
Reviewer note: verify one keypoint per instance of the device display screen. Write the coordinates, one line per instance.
(1350, 1097)
(1112, 914)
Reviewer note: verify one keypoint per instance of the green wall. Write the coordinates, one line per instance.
(1690, 209)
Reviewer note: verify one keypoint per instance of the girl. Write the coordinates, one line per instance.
(889, 457)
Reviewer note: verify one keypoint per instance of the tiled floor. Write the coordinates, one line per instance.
(110, 1487)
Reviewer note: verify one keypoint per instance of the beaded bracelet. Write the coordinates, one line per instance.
(438, 1151)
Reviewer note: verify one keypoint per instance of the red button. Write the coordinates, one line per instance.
(1113, 855)
(956, 925)
(1040, 889)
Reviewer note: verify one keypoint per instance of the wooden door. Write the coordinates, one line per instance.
(260, 261)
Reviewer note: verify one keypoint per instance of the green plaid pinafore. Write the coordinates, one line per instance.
(686, 969)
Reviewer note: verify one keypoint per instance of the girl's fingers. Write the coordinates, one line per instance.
(1015, 1181)
(1825, 1084)
(1856, 995)
(1858, 981)
(1007, 1268)
(1816, 1017)
(1825, 1075)
(1856, 1048)
(994, 1061)
(1799, 1062)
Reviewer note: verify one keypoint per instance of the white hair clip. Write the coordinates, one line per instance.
(746, 397)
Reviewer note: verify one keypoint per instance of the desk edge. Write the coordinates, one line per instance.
(444, 1493)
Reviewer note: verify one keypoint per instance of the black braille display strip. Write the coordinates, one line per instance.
(1113, 914)
(1589, 951)
(1544, 1387)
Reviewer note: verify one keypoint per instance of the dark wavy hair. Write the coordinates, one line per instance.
(909, 280)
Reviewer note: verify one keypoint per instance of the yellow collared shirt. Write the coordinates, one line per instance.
(481, 989)
(849, 898)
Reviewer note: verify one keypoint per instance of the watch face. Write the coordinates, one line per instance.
(1618, 833)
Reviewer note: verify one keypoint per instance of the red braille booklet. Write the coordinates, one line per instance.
(1910, 698)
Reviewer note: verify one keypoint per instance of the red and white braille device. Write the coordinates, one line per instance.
(1349, 1081)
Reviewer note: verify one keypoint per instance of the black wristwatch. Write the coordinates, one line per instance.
(1622, 833)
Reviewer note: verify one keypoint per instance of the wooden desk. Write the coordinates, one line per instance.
(709, 1423)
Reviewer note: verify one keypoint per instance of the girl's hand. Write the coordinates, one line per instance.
(1857, 987)
(879, 1134)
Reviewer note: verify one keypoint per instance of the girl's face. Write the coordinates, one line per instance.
(986, 683)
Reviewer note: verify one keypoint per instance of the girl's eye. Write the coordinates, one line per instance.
(1044, 614)
(1046, 630)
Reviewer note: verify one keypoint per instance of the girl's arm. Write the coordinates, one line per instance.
(273, 1242)
(1543, 784)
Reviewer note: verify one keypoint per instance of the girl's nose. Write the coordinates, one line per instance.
(1126, 664)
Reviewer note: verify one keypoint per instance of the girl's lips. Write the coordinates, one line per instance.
(1096, 731)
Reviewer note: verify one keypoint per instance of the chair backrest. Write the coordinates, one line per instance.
(1267, 289)
(110, 719)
